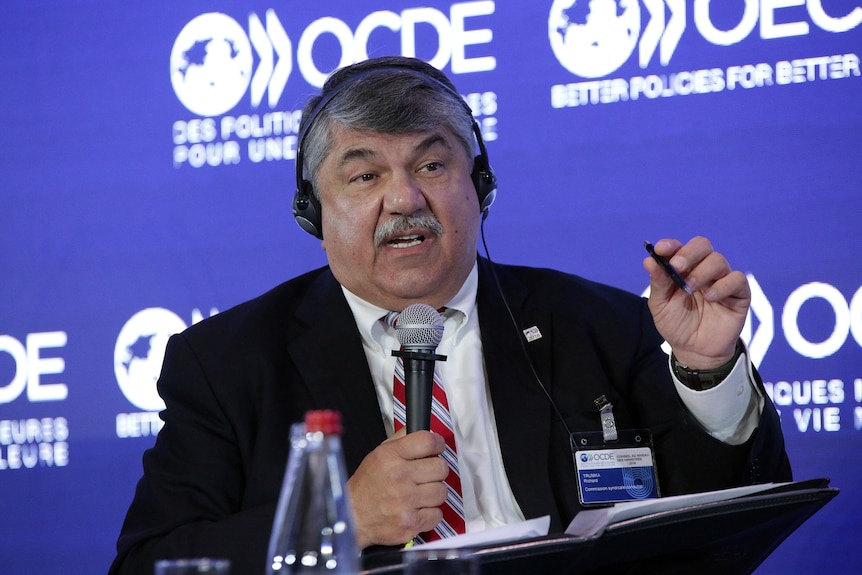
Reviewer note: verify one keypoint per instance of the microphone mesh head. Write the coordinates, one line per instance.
(419, 326)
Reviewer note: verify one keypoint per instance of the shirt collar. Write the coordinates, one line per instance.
(367, 315)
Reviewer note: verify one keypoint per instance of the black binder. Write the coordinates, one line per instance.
(728, 537)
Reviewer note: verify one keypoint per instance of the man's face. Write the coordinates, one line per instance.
(371, 180)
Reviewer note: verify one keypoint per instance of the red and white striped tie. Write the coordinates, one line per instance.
(441, 423)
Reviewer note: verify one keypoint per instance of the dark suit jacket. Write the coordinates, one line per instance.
(234, 383)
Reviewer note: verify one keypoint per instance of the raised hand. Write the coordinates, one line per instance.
(704, 326)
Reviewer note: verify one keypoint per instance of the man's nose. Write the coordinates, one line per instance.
(404, 196)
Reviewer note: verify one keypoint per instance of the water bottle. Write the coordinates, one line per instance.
(313, 530)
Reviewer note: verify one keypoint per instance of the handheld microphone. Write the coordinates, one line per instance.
(419, 329)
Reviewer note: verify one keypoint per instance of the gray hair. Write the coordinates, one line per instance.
(391, 95)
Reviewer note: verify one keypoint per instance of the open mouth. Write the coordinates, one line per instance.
(403, 232)
(406, 241)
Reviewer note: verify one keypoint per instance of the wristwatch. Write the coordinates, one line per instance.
(703, 379)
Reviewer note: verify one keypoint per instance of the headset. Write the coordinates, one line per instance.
(306, 206)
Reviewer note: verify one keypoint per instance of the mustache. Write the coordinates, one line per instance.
(400, 224)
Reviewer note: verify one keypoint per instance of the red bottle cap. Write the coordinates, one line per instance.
(324, 420)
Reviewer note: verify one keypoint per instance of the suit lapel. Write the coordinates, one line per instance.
(326, 347)
(522, 411)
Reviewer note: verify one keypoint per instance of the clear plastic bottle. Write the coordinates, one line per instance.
(313, 530)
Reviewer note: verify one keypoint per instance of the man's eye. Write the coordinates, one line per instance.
(365, 177)
(432, 166)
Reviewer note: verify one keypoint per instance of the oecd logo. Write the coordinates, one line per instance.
(211, 64)
(592, 38)
(215, 62)
(139, 352)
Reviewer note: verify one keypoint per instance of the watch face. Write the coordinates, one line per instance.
(701, 380)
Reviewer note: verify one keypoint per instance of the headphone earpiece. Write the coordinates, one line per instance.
(486, 188)
(483, 176)
(306, 209)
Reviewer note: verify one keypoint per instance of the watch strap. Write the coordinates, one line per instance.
(703, 379)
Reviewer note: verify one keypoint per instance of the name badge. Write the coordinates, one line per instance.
(623, 470)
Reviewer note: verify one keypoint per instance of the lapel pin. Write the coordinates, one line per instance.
(532, 334)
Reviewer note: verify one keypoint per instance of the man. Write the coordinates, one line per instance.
(389, 178)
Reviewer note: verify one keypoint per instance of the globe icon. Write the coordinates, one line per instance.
(139, 352)
(592, 38)
(211, 64)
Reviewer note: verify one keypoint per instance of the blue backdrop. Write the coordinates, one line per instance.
(146, 153)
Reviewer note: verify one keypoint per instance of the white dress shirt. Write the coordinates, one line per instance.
(726, 411)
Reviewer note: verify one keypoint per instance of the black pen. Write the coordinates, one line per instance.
(674, 275)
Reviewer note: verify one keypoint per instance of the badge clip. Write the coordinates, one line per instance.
(609, 424)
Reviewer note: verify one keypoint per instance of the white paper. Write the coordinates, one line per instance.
(591, 523)
(524, 530)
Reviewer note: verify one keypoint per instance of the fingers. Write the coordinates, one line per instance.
(686, 258)
(397, 435)
(702, 330)
(701, 274)
(421, 498)
(729, 288)
(702, 268)
(398, 488)
(418, 444)
(663, 276)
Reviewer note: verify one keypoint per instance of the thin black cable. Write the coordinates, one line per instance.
(518, 334)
